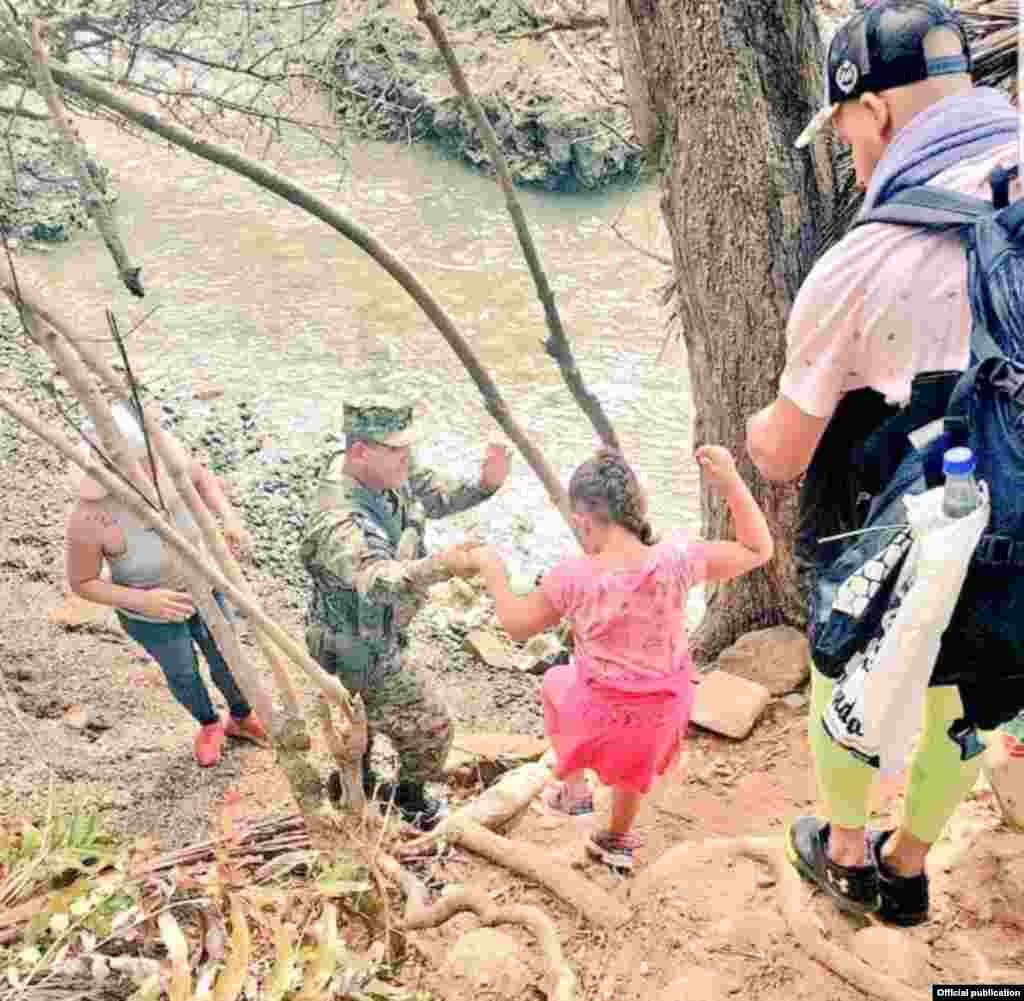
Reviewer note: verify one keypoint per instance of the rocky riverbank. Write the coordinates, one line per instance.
(555, 99)
(42, 203)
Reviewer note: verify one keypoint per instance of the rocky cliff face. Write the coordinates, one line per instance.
(554, 98)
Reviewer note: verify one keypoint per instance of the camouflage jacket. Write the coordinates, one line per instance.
(365, 554)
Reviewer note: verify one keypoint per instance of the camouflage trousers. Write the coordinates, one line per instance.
(401, 703)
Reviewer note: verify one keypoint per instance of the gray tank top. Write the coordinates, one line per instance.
(143, 564)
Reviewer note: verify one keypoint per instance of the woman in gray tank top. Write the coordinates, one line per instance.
(151, 600)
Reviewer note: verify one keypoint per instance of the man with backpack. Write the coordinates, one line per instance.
(872, 393)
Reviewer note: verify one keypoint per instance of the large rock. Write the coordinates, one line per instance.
(778, 658)
(541, 652)
(490, 649)
(486, 962)
(728, 705)
(895, 952)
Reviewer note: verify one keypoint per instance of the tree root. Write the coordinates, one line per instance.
(471, 828)
(802, 924)
(599, 908)
(419, 914)
(496, 808)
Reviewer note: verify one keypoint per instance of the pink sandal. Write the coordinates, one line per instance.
(614, 850)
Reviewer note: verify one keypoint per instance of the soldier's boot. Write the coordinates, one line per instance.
(415, 806)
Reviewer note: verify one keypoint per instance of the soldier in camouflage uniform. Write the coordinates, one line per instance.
(363, 548)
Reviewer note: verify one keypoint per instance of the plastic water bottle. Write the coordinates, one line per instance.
(960, 496)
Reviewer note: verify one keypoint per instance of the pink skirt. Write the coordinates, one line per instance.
(629, 732)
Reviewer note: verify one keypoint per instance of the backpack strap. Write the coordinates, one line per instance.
(928, 207)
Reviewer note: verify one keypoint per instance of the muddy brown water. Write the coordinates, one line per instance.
(256, 298)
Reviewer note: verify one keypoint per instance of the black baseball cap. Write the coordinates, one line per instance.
(882, 46)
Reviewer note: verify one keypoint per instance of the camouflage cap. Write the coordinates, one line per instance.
(385, 419)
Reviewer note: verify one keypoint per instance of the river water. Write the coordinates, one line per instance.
(256, 298)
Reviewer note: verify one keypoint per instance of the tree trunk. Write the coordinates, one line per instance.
(732, 83)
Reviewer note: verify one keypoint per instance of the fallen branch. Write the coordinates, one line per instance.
(557, 345)
(419, 915)
(265, 838)
(804, 928)
(578, 23)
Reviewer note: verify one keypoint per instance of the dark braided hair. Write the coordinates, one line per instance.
(606, 486)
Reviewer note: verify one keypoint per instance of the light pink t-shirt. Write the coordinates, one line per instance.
(884, 304)
(630, 623)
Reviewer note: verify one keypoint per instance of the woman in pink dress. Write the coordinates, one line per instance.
(621, 707)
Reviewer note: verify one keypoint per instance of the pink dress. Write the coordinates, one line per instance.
(622, 705)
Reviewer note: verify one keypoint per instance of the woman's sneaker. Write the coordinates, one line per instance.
(615, 850)
(249, 728)
(208, 743)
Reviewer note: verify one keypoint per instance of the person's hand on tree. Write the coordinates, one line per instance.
(718, 466)
(167, 606)
(495, 466)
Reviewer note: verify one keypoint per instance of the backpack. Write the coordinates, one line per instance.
(983, 647)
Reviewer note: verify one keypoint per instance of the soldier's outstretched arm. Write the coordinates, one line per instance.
(444, 495)
(351, 550)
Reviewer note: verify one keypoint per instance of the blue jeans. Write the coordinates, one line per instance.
(172, 645)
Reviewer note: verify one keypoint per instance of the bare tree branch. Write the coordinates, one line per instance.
(94, 203)
(660, 258)
(580, 23)
(557, 344)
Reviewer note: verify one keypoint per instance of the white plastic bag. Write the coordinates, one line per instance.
(876, 708)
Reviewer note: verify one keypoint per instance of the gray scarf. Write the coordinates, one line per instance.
(951, 131)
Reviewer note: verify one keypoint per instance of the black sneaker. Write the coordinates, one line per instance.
(853, 888)
(415, 806)
(904, 898)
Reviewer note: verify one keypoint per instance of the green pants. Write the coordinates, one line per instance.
(401, 702)
(938, 779)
